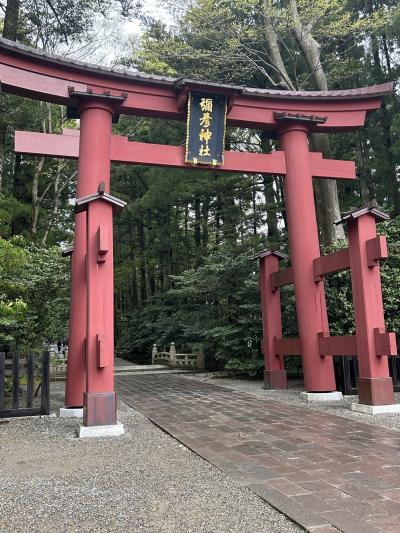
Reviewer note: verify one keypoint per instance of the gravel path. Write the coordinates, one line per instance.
(144, 481)
(292, 396)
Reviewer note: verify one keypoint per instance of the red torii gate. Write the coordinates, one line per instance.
(97, 95)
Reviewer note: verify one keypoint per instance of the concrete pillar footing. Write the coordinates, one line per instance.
(375, 409)
(116, 430)
(71, 412)
(334, 396)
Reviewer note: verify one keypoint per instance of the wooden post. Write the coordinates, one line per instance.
(311, 309)
(375, 386)
(2, 378)
(15, 372)
(45, 389)
(274, 372)
(30, 371)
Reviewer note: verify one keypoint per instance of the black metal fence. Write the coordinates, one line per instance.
(346, 372)
(21, 380)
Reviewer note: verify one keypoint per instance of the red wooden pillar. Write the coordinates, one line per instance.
(274, 373)
(99, 397)
(375, 386)
(96, 113)
(304, 248)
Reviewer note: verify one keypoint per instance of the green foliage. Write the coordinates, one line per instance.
(34, 287)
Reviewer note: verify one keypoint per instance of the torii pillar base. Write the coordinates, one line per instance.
(375, 391)
(275, 379)
(99, 408)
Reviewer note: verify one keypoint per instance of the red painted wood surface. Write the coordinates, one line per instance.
(287, 346)
(375, 387)
(311, 309)
(331, 263)
(344, 345)
(376, 249)
(93, 167)
(281, 278)
(124, 151)
(385, 343)
(36, 75)
(274, 375)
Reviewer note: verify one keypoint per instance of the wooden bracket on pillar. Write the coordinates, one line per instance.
(105, 96)
(298, 117)
(102, 243)
(103, 359)
(385, 343)
(376, 249)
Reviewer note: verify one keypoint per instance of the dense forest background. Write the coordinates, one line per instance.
(185, 245)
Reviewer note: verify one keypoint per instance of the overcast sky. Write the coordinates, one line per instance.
(115, 34)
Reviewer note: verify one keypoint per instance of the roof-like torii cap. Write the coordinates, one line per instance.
(265, 253)
(82, 203)
(370, 208)
(67, 252)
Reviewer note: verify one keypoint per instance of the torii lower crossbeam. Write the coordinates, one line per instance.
(124, 151)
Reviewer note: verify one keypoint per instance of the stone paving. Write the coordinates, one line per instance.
(324, 472)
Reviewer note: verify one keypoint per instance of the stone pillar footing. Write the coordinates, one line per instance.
(99, 409)
(275, 379)
(114, 430)
(334, 396)
(375, 391)
(71, 412)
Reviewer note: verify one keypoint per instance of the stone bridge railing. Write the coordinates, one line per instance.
(177, 360)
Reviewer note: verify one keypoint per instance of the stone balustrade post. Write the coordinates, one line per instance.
(172, 355)
(154, 353)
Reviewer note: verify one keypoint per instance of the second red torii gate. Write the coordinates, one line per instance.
(97, 96)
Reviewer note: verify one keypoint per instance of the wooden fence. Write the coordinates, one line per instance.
(346, 371)
(12, 368)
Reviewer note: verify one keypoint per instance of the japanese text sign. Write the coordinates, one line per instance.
(205, 135)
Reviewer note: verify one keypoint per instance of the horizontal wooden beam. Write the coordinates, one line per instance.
(25, 411)
(124, 151)
(281, 278)
(331, 263)
(345, 345)
(385, 344)
(287, 346)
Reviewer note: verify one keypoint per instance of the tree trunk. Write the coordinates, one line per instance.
(36, 199)
(270, 197)
(284, 80)
(10, 28)
(197, 230)
(327, 195)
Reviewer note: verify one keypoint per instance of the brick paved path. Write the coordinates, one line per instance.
(324, 472)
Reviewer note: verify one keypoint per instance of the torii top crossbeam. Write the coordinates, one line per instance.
(28, 72)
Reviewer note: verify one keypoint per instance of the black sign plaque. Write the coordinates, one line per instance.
(205, 135)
